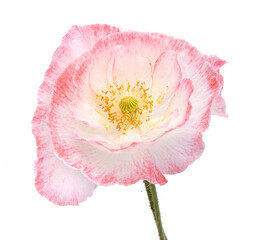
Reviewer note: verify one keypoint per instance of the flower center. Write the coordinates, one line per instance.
(128, 104)
(125, 106)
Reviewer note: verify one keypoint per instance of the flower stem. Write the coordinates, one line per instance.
(154, 204)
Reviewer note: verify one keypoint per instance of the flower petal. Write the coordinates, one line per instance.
(173, 152)
(166, 74)
(176, 114)
(205, 82)
(100, 74)
(215, 62)
(132, 67)
(54, 180)
(85, 113)
(78, 40)
(51, 171)
(218, 106)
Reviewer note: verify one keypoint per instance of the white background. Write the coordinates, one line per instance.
(215, 198)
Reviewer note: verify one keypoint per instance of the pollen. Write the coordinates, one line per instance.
(125, 106)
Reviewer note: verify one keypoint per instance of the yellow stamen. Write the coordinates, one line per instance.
(126, 106)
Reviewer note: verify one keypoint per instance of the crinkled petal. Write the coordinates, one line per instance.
(218, 106)
(176, 114)
(54, 180)
(205, 82)
(59, 183)
(215, 62)
(78, 40)
(176, 150)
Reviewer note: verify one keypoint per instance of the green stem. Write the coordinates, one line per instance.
(154, 204)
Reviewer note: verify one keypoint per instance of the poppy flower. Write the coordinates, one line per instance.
(119, 106)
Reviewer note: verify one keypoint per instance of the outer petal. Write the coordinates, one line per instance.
(218, 106)
(215, 62)
(78, 40)
(54, 180)
(206, 87)
(205, 78)
(176, 150)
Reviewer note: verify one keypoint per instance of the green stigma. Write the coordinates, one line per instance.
(128, 104)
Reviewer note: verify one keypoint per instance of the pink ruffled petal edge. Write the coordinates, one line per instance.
(54, 180)
(176, 150)
(78, 40)
(206, 87)
(218, 106)
(179, 107)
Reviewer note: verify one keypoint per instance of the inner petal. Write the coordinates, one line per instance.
(100, 74)
(132, 67)
(85, 113)
(166, 75)
(175, 115)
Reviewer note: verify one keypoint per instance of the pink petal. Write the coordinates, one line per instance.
(78, 40)
(205, 82)
(177, 112)
(100, 73)
(85, 113)
(102, 166)
(215, 62)
(166, 74)
(218, 107)
(204, 73)
(180, 103)
(176, 150)
(54, 180)
(144, 45)
(130, 66)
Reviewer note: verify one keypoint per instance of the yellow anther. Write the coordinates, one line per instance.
(134, 100)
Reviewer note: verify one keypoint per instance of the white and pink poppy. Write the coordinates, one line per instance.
(117, 107)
